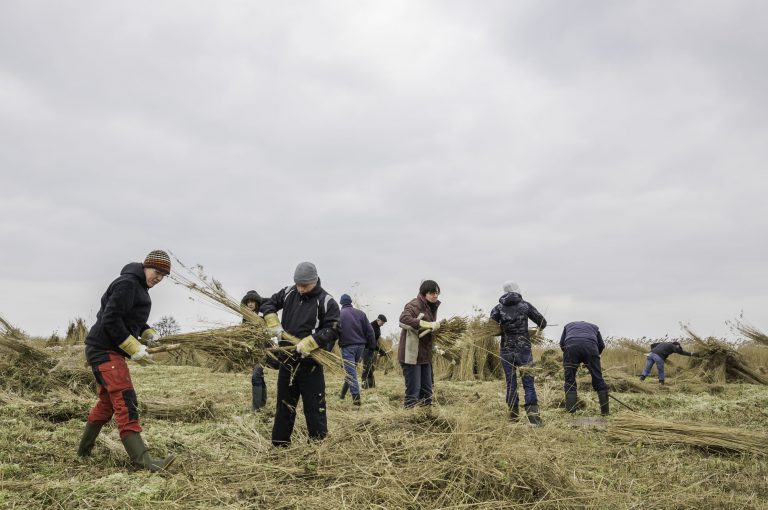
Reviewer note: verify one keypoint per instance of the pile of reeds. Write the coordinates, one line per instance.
(76, 332)
(212, 292)
(638, 428)
(229, 349)
(718, 362)
(551, 364)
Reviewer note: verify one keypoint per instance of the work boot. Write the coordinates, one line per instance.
(571, 401)
(532, 411)
(344, 388)
(602, 396)
(356, 400)
(139, 454)
(661, 382)
(257, 397)
(642, 378)
(90, 434)
(514, 413)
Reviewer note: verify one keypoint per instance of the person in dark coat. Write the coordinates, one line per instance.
(418, 321)
(120, 323)
(253, 301)
(372, 352)
(355, 333)
(312, 315)
(659, 353)
(512, 313)
(581, 342)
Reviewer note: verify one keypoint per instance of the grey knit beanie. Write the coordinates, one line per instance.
(511, 286)
(305, 273)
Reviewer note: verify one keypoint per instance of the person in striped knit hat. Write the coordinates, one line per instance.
(120, 323)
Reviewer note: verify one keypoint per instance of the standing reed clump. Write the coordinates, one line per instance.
(749, 331)
(719, 362)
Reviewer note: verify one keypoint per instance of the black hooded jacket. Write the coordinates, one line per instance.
(124, 311)
(315, 313)
(512, 313)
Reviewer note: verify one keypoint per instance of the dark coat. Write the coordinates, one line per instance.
(124, 312)
(354, 328)
(583, 334)
(376, 336)
(315, 313)
(512, 314)
(413, 350)
(664, 349)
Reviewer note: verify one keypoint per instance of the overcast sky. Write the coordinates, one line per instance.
(608, 156)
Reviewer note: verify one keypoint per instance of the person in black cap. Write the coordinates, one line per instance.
(372, 352)
(252, 300)
(309, 313)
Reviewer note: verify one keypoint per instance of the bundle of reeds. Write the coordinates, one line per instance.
(211, 291)
(749, 331)
(635, 427)
(719, 362)
(230, 349)
(447, 340)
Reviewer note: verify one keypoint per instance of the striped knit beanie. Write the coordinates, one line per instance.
(158, 259)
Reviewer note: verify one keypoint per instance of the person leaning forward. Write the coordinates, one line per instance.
(311, 314)
(581, 342)
(122, 317)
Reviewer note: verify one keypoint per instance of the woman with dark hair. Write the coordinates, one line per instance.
(253, 301)
(418, 321)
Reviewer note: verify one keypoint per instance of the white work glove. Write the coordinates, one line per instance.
(142, 357)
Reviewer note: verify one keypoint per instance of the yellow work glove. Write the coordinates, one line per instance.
(434, 326)
(273, 324)
(136, 351)
(150, 337)
(306, 346)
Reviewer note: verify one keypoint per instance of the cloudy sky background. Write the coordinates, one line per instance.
(608, 156)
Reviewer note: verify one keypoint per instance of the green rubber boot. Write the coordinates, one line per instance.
(90, 434)
(140, 456)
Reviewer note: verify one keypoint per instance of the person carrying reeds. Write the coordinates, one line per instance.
(253, 301)
(372, 352)
(581, 342)
(660, 351)
(311, 314)
(355, 334)
(512, 313)
(120, 322)
(418, 321)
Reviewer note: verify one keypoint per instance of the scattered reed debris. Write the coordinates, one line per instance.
(635, 427)
(719, 362)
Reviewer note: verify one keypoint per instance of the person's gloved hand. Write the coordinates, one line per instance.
(434, 326)
(306, 346)
(273, 324)
(136, 351)
(150, 337)
(143, 357)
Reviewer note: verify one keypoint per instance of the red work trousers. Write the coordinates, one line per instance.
(116, 396)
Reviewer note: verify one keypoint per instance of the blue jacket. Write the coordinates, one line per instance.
(512, 314)
(581, 333)
(355, 328)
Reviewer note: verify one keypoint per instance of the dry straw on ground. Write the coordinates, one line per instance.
(634, 427)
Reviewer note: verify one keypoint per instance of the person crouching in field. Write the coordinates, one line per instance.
(418, 321)
(659, 353)
(355, 333)
(512, 314)
(253, 301)
(581, 342)
(122, 317)
(312, 315)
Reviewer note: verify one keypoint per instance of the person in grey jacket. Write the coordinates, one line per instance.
(659, 353)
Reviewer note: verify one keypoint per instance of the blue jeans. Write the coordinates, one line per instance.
(654, 358)
(510, 360)
(352, 354)
(418, 384)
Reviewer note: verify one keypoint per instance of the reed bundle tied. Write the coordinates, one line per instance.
(635, 427)
(447, 340)
(232, 349)
(211, 291)
(719, 362)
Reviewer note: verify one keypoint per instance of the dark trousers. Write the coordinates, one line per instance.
(258, 388)
(511, 358)
(418, 384)
(308, 383)
(116, 396)
(574, 355)
(369, 365)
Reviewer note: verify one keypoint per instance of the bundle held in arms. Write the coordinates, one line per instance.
(447, 339)
(232, 349)
(719, 362)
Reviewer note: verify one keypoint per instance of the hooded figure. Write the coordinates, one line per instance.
(512, 313)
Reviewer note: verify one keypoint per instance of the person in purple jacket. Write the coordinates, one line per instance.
(355, 335)
(581, 342)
